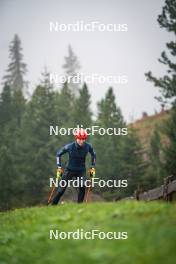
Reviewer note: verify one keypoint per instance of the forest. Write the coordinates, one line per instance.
(28, 152)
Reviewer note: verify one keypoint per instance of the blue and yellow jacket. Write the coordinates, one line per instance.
(77, 155)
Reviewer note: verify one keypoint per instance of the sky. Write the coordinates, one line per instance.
(129, 53)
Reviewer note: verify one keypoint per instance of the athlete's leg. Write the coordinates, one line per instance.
(66, 177)
(82, 188)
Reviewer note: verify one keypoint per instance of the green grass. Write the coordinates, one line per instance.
(151, 227)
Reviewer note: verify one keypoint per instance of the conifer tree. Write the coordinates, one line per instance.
(82, 113)
(72, 67)
(170, 149)
(108, 146)
(167, 83)
(17, 68)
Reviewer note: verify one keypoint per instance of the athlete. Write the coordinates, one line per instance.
(75, 168)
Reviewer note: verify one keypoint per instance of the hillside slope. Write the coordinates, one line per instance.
(145, 127)
(24, 234)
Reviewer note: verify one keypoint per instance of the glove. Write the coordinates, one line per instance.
(92, 172)
(59, 172)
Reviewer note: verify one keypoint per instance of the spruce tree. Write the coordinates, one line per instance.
(17, 68)
(155, 154)
(108, 146)
(12, 107)
(72, 67)
(6, 108)
(109, 113)
(36, 164)
(170, 149)
(65, 103)
(132, 163)
(167, 83)
(6, 178)
(82, 113)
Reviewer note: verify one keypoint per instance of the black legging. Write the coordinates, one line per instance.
(68, 175)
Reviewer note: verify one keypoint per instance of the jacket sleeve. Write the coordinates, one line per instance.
(59, 154)
(93, 156)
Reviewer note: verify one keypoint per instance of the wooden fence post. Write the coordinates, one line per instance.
(167, 196)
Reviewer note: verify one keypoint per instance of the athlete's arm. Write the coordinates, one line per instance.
(93, 156)
(61, 152)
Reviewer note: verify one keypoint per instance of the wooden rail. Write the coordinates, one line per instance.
(164, 192)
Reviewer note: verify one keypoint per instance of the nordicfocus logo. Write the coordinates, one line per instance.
(93, 130)
(93, 78)
(81, 26)
(81, 234)
(80, 182)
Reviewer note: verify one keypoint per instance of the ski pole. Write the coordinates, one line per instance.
(88, 194)
(51, 194)
(59, 175)
(91, 175)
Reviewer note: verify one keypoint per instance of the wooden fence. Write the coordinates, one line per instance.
(164, 192)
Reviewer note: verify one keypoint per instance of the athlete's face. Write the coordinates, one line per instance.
(80, 142)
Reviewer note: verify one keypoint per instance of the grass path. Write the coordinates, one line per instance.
(151, 228)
